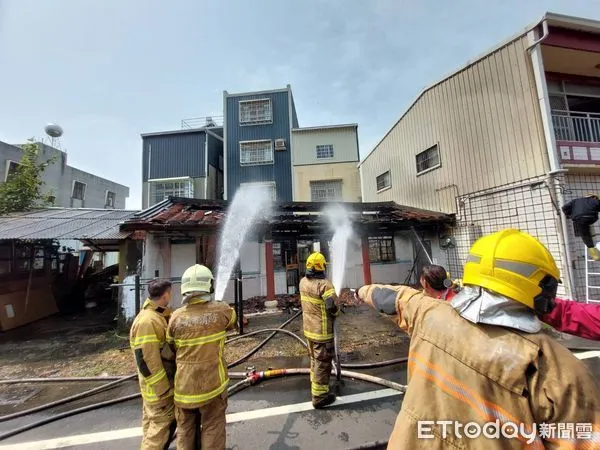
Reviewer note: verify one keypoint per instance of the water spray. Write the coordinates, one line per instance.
(250, 203)
(339, 221)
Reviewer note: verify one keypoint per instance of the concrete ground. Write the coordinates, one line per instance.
(275, 414)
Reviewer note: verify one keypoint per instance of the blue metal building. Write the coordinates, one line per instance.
(185, 163)
(257, 132)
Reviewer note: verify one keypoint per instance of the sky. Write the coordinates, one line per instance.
(108, 70)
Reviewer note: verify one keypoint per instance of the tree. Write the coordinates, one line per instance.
(23, 187)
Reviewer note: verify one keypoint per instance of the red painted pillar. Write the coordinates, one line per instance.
(366, 260)
(269, 269)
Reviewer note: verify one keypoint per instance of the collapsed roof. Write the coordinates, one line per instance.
(177, 214)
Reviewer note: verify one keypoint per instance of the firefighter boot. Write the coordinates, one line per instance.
(594, 253)
(324, 401)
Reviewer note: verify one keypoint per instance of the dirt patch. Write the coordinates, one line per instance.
(76, 348)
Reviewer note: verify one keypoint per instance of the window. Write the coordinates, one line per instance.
(174, 188)
(78, 190)
(256, 112)
(324, 191)
(256, 153)
(110, 199)
(381, 249)
(324, 151)
(384, 181)
(267, 185)
(428, 160)
(11, 168)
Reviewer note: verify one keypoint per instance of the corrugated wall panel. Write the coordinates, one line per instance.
(174, 155)
(215, 148)
(485, 120)
(281, 170)
(294, 115)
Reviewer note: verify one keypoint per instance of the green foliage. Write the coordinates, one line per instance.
(23, 189)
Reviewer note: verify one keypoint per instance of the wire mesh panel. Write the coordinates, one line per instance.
(575, 186)
(527, 206)
(531, 206)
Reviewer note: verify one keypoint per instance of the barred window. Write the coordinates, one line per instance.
(428, 160)
(268, 186)
(175, 188)
(256, 153)
(381, 249)
(384, 181)
(326, 190)
(256, 112)
(78, 190)
(110, 199)
(11, 168)
(324, 151)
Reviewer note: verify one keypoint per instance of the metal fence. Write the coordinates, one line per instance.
(576, 126)
(531, 206)
(200, 122)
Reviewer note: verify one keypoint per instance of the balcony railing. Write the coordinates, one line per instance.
(201, 122)
(576, 126)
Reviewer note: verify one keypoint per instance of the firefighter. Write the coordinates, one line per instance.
(436, 282)
(155, 366)
(319, 309)
(584, 213)
(197, 336)
(482, 357)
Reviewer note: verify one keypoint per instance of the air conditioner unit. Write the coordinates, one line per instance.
(279, 144)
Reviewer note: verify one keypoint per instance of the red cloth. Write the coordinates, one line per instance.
(446, 295)
(578, 319)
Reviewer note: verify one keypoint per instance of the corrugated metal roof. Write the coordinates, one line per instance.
(65, 223)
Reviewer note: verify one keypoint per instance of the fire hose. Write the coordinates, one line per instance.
(251, 379)
(248, 380)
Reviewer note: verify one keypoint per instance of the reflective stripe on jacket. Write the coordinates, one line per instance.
(463, 372)
(319, 307)
(197, 335)
(147, 339)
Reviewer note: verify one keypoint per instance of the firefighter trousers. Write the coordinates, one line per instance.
(584, 231)
(202, 427)
(321, 357)
(158, 425)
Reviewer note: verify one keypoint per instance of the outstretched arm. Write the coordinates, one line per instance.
(578, 319)
(400, 302)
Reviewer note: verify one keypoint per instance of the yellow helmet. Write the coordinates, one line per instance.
(513, 264)
(197, 278)
(591, 194)
(316, 262)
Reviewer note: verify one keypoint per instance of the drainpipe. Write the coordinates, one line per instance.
(148, 184)
(546, 115)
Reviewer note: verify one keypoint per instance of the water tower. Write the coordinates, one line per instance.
(54, 131)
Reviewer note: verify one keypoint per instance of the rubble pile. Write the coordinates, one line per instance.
(284, 301)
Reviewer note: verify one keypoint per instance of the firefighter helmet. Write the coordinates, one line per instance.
(197, 278)
(316, 262)
(513, 264)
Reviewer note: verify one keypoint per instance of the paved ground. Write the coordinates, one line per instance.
(273, 415)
